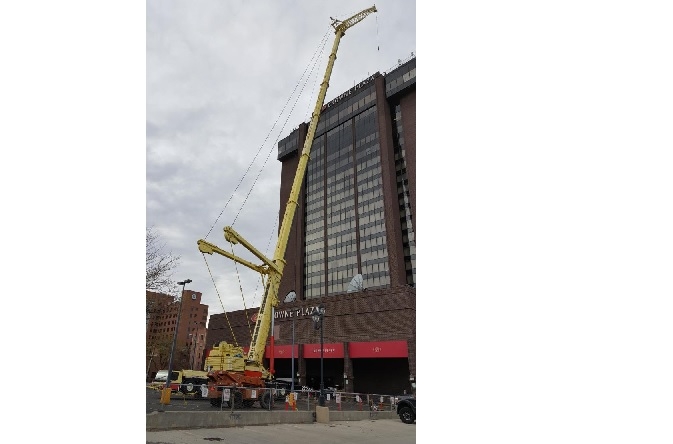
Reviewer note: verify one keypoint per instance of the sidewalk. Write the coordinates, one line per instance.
(380, 431)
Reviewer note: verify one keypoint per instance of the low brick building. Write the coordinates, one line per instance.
(369, 340)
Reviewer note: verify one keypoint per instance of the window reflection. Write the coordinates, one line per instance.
(343, 200)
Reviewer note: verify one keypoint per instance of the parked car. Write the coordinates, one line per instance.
(161, 376)
(282, 386)
(406, 409)
(188, 382)
(398, 398)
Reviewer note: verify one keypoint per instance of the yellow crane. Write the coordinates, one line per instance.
(249, 371)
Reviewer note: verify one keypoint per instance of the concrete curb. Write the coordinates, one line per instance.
(197, 420)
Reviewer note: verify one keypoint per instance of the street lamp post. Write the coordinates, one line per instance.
(192, 351)
(317, 323)
(175, 334)
(292, 371)
(194, 337)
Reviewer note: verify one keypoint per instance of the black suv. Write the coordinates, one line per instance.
(406, 409)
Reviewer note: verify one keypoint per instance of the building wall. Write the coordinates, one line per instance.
(345, 140)
(392, 212)
(408, 104)
(162, 323)
(376, 315)
(294, 254)
(363, 316)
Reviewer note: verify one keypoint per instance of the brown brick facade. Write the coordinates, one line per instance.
(161, 325)
(293, 274)
(377, 315)
(390, 197)
(408, 105)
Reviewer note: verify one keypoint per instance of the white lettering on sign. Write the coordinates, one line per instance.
(377, 349)
(326, 350)
(299, 312)
(349, 92)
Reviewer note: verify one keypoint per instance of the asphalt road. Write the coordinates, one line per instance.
(379, 431)
(179, 402)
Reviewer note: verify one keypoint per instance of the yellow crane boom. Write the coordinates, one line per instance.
(273, 268)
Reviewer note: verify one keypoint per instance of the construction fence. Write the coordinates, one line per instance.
(304, 399)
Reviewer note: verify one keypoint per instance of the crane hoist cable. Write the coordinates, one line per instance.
(218, 296)
(299, 82)
(315, 57)
(378, 44)
(240, 286)
(276, 143)
(274, 232)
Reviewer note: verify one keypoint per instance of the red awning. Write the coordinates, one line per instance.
(331, 350)
(282, 351)
(378, 349)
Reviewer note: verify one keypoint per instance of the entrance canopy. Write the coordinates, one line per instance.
(282, 351)
(330, 350)
(378, 349)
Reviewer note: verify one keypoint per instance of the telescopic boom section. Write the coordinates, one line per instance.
(274, 268)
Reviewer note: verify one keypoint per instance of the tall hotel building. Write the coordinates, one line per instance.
(356, 218)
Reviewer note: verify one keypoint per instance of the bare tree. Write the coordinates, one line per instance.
(159, 265)
(159, 350)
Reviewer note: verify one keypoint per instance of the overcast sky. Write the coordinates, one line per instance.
(222, 78)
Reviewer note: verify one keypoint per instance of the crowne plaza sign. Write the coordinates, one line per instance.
(348, 93)
(296, 313)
